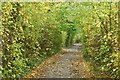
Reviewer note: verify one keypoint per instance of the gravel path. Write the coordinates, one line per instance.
(67, 64)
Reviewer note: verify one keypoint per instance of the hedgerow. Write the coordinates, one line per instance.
(34, 31)
(27, 42)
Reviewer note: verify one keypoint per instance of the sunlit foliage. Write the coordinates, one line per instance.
(34, 31)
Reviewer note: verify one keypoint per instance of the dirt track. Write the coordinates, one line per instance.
(67, 64)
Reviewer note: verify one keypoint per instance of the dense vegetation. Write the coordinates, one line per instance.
(101, 38)
(35, 31)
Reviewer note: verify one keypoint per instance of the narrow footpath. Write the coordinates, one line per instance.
(69, 63)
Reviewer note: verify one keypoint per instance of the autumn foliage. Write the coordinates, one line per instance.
(34, 31)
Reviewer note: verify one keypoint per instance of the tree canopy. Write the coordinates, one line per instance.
(36, 30)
